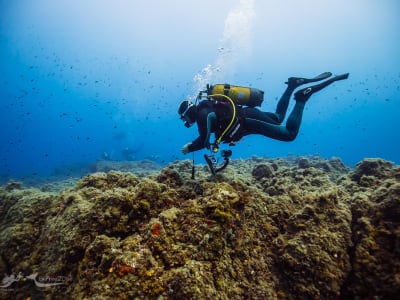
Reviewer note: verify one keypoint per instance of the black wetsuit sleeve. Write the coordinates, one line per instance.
(206, 119)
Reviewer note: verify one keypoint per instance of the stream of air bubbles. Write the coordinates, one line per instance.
(234, 45)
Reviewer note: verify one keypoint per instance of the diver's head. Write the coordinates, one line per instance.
(187, 112)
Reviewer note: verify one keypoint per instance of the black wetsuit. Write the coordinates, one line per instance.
(212, 119)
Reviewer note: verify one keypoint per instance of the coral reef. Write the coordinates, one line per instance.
(140, 168)
(294, 228)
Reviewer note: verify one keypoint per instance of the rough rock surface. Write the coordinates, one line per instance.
(298, 228)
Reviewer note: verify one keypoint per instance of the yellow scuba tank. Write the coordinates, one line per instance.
(240, 95)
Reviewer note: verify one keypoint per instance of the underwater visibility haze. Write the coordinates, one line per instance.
(92, 80)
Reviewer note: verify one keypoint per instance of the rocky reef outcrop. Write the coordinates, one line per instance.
(298, 228)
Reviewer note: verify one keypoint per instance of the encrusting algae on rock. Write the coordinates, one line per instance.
(296, 228)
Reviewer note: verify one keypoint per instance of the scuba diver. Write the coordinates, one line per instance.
(229, 112)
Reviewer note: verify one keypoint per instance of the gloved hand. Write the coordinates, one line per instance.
(185, 148)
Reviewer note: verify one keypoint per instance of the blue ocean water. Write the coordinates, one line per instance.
(103, 79)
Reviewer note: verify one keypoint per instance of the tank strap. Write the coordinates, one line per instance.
(227, 87)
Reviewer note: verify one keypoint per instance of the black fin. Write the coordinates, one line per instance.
(297, 81)
(320, 77)
(304, 94)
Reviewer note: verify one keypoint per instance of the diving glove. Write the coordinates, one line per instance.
(185, 148)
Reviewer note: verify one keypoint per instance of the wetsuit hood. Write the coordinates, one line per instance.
(187, 112)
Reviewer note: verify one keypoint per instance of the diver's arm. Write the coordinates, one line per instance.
(204, 124)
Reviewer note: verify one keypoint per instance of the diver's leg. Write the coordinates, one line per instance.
(259, 122)
(278, 132)
(283, 104)
(294, 121)
(304, 94)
